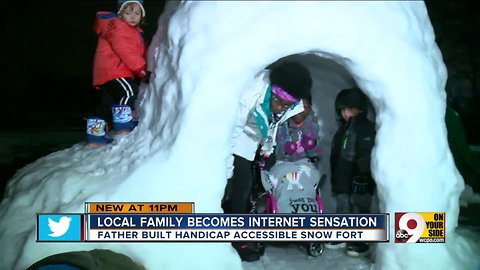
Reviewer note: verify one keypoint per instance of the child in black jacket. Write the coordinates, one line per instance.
(352, 182)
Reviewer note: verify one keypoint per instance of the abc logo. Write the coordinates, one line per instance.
(401, 236)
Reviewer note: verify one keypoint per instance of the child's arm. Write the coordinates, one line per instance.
(365, 143)
(311, 138)
(281, 140)
(127, 47)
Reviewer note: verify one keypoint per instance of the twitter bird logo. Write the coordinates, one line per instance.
(59, 228)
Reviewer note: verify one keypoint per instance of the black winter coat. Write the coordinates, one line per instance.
(351, 152)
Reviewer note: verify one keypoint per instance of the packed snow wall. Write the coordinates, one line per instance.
(388, 48)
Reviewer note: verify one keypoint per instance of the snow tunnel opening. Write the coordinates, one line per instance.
(329, 78)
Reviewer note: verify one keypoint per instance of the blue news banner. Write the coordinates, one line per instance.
(215, 227)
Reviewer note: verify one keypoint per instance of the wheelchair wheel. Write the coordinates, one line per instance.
(315, 249)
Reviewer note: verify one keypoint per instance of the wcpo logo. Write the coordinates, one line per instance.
(420, 227)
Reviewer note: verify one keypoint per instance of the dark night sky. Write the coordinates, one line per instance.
(47, 65)
(69, 47)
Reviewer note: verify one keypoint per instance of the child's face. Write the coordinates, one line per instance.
(132, 14)
(279, 105)
(300, 117)
(348, 113)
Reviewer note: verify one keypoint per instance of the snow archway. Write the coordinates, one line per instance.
(205, 55)
(388, 47)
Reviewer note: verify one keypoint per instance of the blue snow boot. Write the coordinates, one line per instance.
(96, 131)
(122, 119)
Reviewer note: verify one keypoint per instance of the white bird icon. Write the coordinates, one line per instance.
(59, 228)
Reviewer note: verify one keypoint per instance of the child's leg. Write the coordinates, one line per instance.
(124, 92)
(361, 203)
(240, 186)
(104, 108)
(344, 205)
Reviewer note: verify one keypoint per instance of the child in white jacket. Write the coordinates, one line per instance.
(262, 111)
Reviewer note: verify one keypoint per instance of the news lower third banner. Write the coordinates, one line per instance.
(177, 222)
(232, 227)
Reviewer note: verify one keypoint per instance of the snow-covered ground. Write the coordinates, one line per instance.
(19, 147)
(293, 257)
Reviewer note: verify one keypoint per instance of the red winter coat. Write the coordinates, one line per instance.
(120, 50)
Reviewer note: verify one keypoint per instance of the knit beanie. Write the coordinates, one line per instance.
(351, 98)
(121, 4)
(292, 77)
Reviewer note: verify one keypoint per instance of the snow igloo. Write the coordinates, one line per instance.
(204, 56)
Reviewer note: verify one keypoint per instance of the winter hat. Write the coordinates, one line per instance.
(351, 98)
(121, 4)
(293, 78)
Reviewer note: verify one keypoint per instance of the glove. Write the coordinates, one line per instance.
(314, 160)
(145, 76)
(266, 163)
(360, 185)
(146, 79)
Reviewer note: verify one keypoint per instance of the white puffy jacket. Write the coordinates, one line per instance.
(247, 136)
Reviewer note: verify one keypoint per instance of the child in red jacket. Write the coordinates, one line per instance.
(119, 63)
